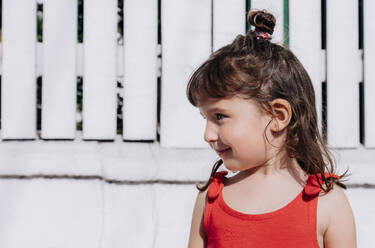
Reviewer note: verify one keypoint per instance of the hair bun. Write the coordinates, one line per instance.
(262, 21)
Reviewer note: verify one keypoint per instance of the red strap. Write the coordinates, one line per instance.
(216, 184)
(312, 186)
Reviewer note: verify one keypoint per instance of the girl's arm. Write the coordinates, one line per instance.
(341, 232)
(197, 237)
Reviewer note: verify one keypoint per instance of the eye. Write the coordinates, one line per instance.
(219, 116)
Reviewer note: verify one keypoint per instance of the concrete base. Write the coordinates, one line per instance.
(135, 212)
(63, 213)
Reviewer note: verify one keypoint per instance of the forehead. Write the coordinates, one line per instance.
(228, 104)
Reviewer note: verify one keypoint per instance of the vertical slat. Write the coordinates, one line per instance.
(140, 78)
(99, 80)
(59, 69)
(18, 94)
(276, 8)
(303, 16)
(229, 20)
(186, 43)
(343, 74)
(369, 72)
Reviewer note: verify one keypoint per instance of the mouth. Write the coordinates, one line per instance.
(220, 152)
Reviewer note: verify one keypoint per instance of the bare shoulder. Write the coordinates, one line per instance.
(197, 233)
(338, 220)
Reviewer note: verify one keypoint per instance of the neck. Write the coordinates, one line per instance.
(279, 165)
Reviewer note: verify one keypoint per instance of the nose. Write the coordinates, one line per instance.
(210, 133)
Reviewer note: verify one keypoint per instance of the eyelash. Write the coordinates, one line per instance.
(216, 115)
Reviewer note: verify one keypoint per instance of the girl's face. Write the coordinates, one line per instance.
(234, 129)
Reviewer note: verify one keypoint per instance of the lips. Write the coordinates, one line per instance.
(222, 150)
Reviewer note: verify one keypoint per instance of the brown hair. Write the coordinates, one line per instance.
(257, 69)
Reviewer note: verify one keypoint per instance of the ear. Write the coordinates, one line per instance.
(282, 114)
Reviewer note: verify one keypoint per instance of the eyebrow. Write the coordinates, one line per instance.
(215, 109)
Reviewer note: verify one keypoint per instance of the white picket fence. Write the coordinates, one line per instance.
(53, 213)
(190, 30)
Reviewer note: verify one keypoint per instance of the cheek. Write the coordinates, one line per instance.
(230, 135)
(247, 139)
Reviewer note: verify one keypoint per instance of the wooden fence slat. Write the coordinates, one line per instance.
(99, 69)
(343, 74)
(18, 94)
(59, 69)
(369, 72)
(229, 20)
(140, 68)
(276, 8)
(186, 43)
(305, 34)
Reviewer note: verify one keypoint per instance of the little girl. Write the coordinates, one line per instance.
(259, 106)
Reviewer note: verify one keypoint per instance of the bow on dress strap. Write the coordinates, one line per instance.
(312, 186)
(216, 185)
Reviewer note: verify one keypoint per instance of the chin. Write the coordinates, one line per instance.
(231, 168)
(238, 168)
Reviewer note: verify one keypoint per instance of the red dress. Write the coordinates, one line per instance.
(293, 225)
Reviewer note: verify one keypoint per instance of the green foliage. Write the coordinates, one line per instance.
(120, 103)
(39, 102)
(40, 22)
(80, 21)
(286, 23)
(120, 24)
(248, 7)
(79, 101)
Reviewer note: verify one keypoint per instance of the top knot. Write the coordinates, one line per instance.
(263, 22)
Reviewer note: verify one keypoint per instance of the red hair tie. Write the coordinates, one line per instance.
(263, 35)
